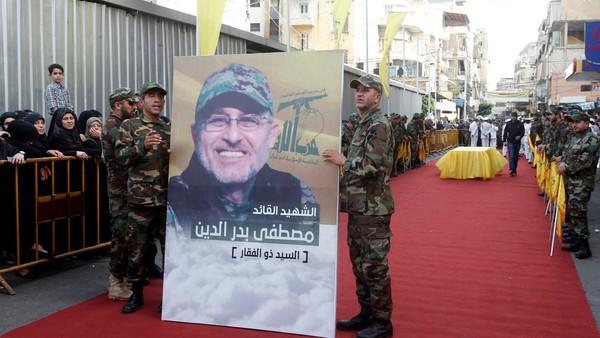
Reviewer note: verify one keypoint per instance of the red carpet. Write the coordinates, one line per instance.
(470, 258)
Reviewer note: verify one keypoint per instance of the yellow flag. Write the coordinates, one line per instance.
(208, 25)
(394, 21)
(554, 180)
(340, 14)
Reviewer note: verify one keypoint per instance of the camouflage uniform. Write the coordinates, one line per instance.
(147, 187)
(537, 130)
(581, 157)
(414, 131)
(562, 133)
(348, 133)
(367, 197)
(117, 186)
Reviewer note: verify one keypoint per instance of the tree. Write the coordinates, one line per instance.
(424, 109)
(485, 109)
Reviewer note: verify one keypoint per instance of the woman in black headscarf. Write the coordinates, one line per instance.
(66, 137)
(41, 142)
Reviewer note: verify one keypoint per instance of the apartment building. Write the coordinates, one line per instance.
(561, 40)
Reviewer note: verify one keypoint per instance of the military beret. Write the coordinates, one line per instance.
(353, 118)
(148, 86)
(238, 86)
(367, 81)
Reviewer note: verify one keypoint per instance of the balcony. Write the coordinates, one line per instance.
(303, 20)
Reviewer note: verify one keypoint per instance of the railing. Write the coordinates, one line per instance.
(67, 213)
(440, 140)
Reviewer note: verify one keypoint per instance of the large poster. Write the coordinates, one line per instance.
(252, 216)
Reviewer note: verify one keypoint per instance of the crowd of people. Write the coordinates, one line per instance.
(134, 144)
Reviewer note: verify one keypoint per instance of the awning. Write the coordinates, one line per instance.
(582, 70)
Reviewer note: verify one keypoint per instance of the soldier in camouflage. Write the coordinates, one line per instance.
(123, 103)
(578, 166)
(142, 148)
(366, 195)
(562, 133)
(415, 130)
(395, 120)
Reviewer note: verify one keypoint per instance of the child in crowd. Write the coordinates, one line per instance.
(56, 94)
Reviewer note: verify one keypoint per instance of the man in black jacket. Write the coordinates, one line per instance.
(513, 132)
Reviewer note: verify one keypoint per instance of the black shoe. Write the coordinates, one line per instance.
(145, 282)
(359, 321)
(155, 271)
(160, 308)
(571, 247)
(136, 300)
(540, 194)
(379, 329)
(584, 250)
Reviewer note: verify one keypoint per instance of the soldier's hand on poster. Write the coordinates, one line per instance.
(332, 156)
(152, 139)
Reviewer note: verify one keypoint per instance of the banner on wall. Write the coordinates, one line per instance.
(252, 215)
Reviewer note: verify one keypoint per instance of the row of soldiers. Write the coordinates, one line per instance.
(567, 139)
(410, 144)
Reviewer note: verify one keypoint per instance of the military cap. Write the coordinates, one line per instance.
(578, 116)
(394, 115)
(416, 116)
(120, 94)
(367, 81)
(238, 86)
(353, 118)
(146, 87)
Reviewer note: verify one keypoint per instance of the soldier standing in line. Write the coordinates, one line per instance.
(365, 192)
(142, 148)
(123, 104)
(578, 166)
(414, 131)
(563, 132)
(395, 121)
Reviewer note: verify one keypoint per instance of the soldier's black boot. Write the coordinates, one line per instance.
(379, 329)
(136, 300)
(361, 320)
(584, 250)
(572, 246)
(155, 271)
(567, 238)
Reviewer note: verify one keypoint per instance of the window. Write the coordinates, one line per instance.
(304, 8)
(254, 3)
(255, 27)
(304, 41)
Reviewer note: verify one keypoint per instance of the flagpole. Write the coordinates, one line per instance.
(288, 25)
(367, 36)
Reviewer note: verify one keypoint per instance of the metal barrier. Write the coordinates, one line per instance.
(65, 212)
(440, 140)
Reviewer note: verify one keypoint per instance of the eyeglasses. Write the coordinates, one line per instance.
(247, 122)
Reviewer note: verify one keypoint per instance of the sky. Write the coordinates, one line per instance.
(510, 25)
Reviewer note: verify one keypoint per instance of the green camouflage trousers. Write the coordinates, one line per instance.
(144, 224)
(578, 197)
(369, 244)
(118, 247)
